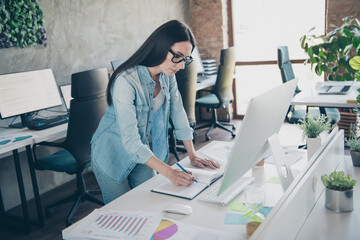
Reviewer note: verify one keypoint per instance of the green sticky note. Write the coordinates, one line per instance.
(238, 206)
(274, 180)
(255, 218)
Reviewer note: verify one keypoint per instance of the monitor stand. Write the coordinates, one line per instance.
(284, 171)
(26, 118)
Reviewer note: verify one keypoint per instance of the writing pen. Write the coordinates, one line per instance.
(184, 170)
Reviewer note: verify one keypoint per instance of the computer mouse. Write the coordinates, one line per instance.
(178, 208)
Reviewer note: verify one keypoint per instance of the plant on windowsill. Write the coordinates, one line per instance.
(338, 191)
(312, 128)
(354, 144)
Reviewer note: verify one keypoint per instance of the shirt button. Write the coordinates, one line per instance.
(152, 108)
(149, 121)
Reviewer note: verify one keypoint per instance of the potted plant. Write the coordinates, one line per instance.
(354, 144)
(331, 53)
(312, 128)
(355, 64)
(338, 191)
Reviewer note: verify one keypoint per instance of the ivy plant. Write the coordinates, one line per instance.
(331, 53)
(21, 23)
(338, 181)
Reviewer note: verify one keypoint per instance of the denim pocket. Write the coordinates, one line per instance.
(142, 113)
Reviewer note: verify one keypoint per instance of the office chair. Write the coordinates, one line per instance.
(88, 105)
(222, 93)
(116, 63)
(287, 74)
(186, 81)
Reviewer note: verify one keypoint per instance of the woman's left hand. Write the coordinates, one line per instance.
(203, 162)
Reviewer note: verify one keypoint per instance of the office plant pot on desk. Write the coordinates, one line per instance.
(353, 142)
(338, 191)
(312, 128)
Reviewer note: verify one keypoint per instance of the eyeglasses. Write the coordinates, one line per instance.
(177, 58)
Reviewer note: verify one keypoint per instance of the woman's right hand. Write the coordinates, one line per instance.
(180, 178)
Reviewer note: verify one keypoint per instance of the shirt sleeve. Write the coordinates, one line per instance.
(123, 96)
(182, 131)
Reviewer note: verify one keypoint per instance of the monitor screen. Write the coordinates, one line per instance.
(26, 92)
(196, 56)
(264, 116)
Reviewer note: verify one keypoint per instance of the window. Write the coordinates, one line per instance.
(259, 27)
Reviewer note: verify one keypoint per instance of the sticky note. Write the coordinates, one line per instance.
(236, 219)
(238, 206)
(265, 210)
(22, 138)
(274, 180)
(4, 142)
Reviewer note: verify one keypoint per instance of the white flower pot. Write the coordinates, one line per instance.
(312, 145)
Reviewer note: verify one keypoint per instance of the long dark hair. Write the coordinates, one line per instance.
(155, 49)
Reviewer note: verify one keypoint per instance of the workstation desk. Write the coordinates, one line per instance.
(310, 98)
(13, 148)
(292, 212)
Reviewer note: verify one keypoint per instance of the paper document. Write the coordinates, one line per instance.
(176, 230)
(116, 224)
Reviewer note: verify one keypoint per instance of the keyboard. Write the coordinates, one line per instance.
(44, 123)
(210, 194)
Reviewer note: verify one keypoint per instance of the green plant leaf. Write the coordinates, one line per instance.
(355, 63)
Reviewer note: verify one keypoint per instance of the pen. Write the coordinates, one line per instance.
(184, 170)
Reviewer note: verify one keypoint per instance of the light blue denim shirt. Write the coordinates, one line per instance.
(122, 138)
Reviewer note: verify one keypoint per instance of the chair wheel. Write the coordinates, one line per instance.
(233, 135)
(49, 212)
(207, 138)
(233, 128)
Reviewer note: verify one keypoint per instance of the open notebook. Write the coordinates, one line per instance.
(216, 150)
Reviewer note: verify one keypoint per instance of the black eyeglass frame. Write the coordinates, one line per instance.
(187, 60)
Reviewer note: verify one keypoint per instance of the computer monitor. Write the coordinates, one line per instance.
(264, 116)
(26, 92)
(199, 66)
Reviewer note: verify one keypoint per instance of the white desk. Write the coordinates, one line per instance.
(208, 82)
(311, 99)
(49, 134)
(204, 214)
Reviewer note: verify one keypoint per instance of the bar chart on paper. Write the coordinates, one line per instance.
(110, 224)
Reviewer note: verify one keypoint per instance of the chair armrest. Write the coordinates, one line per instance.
(50, 144)
(205, 90)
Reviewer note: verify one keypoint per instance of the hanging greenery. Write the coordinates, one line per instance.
(21, 23)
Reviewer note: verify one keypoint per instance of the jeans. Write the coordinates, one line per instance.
(111, 189)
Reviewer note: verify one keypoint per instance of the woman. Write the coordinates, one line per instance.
(142, 94)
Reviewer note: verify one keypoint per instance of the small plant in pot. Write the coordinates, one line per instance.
(338, 191)
(354, 144)
(312, 128)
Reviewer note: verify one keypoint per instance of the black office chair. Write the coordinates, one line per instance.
(186, 81)
(287, 74)
(88, 105)
(222, 93)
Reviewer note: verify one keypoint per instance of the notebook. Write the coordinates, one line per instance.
(220, 152)
(337, 88)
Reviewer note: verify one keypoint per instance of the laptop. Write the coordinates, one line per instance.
(199, 65)
(334, 88)
(66, 94)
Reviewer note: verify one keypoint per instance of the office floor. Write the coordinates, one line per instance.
(55, 223)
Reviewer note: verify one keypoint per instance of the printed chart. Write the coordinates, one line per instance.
(108, 224)
(165, 230)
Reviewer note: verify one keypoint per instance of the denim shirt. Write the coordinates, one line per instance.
(122, 138)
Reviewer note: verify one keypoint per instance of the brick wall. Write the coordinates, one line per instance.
(338, 9)
(209, 24)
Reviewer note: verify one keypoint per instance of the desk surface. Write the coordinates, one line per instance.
(311, 98)
(49, 134)
(141, 198)
(205, 83)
